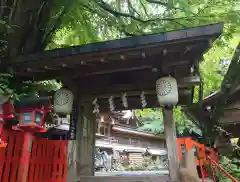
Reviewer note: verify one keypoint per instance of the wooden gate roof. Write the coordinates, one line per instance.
(230, 118)
(127, 65)
(223, 105)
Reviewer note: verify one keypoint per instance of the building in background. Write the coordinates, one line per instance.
(117, 134)
(119, 142)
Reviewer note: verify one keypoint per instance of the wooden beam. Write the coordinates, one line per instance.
(84, 69)
(132, 93)
(142, 80)
(134, 102)
(124, 131)
(170, 135)
(100, 68)
(233, 105)
(125, 66)
(77, 67)
(230, 116)
(232, 130)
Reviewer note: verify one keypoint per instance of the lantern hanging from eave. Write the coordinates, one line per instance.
(32, 113)
(63, 101)
(167, 91)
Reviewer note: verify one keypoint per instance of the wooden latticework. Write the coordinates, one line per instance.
(48, 161)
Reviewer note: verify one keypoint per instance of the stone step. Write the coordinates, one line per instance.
(208, 180)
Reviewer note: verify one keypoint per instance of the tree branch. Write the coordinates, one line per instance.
(118, 14)
(144, 8)
(122, 29)
(131, 7)
(166, 5)
(159, 3)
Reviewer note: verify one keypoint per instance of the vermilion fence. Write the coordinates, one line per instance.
(10, 156)
(48, 161)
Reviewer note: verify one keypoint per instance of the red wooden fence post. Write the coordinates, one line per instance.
(25, 157)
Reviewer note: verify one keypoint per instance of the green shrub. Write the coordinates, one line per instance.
(148, 164)
(232, 166)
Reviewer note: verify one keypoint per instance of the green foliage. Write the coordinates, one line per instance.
(4, 84)
(41, 18)
(213, 75)
(152, 120)
(154, 126)
(183, 124)
(10, 86)
(25, 28)
(80, 22)
(232, 166)
(91, 21)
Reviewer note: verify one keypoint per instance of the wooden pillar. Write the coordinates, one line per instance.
(170, 135)
(85, 140)
(83, 155)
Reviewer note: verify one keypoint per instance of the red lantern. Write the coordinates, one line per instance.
(6, 114)
(6, 111)
(32, 117)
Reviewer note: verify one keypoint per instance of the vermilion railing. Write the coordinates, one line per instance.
(206, 157)
(189, 144)
(213, 164)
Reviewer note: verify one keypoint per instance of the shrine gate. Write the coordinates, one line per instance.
(101, 72)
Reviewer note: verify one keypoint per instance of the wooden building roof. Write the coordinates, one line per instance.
(127, 65)
(135, 132)
(223, 105)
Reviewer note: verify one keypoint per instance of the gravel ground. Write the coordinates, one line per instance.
(132, 173)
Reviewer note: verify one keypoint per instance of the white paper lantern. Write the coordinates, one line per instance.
(63, 101)
(167, 91)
